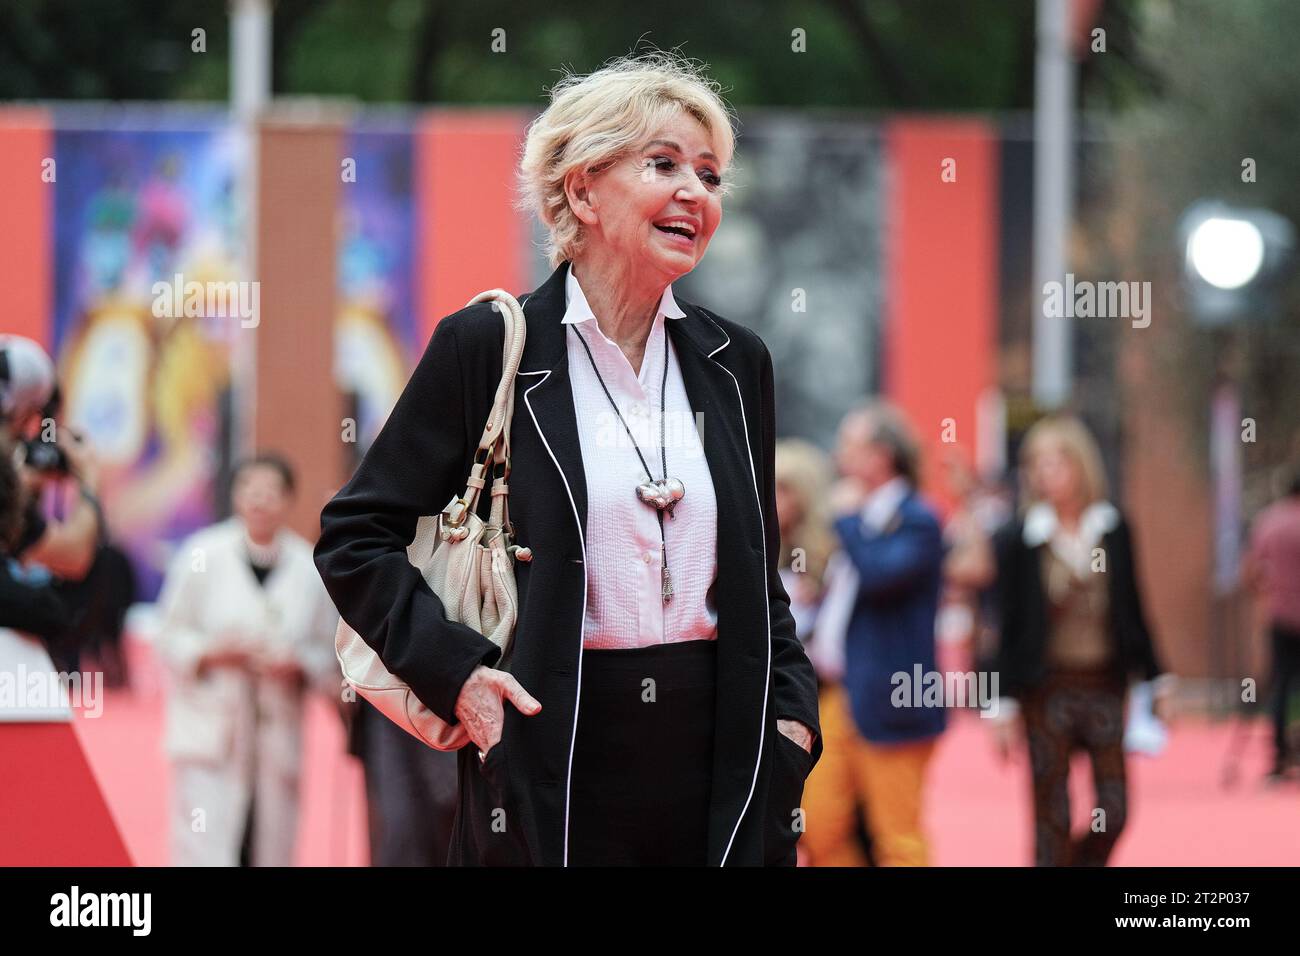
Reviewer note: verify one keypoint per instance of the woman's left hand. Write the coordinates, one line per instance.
(797, 732)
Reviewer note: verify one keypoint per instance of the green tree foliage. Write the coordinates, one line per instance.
(1229, 85)
(888, 54)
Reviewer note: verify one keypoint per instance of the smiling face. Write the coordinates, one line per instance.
(657, 208)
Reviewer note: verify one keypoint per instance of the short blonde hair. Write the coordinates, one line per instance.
(806, 471)
(1077, 444)
(594, 119)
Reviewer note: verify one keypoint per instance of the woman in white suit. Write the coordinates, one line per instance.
(246, 628)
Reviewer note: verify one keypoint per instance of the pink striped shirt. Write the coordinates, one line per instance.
(624, 603)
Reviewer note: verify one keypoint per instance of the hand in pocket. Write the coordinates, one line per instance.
(481, 705)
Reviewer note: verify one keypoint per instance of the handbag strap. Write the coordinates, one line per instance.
(494, 444)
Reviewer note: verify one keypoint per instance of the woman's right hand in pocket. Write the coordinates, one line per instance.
(480, 708)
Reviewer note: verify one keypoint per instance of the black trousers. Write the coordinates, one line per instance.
(1069, 711)
(410, 795)
(643, 758)
(1286, 676)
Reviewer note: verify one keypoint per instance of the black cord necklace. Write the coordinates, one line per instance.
(661, 494)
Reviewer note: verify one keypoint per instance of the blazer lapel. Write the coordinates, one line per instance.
(740, 592)
(701, 345)
(547, 392)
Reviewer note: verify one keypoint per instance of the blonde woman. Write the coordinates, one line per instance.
(803, 484)
(810, 561)
(659, 708)
(1073, 634)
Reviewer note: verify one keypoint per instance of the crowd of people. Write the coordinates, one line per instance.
(245, 633)
(1044, 594)
(786, 730)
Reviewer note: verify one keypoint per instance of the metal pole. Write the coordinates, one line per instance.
(250, 57)
(250, 92)
(1053, 183)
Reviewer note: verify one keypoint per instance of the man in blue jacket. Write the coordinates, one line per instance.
(893, 541)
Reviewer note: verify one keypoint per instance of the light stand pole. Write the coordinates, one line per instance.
(1053, 183)
(250, 92)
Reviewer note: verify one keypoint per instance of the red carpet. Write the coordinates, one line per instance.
(978, 809)
(124, 748)
(1179, 814)
(52, 812)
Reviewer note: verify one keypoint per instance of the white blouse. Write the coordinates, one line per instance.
(625, 606)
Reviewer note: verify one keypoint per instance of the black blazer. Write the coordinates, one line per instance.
(1022, 609)
(514, 807)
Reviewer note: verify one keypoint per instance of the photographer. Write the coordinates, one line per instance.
(32, 607)
(46, 452)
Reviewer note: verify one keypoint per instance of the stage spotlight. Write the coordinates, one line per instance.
(1226, 253)
(1234, 259)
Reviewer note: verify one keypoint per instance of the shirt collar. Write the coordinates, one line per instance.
(577, 309)
(1041, 523)
(882, 503)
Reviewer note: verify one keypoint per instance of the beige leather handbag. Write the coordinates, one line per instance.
(467, 563)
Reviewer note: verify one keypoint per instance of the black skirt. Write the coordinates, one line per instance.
(643, 757)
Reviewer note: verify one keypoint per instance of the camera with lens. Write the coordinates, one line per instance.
(46, 458)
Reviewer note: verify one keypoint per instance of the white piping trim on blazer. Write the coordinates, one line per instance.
(546, 373)
(568, 776)
(767, 602)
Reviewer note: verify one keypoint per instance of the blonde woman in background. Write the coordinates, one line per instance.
(1073, 634)
(802, 488)
(810, 560)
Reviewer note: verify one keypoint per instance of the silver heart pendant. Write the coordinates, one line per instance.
(663, 494)
(653, 493)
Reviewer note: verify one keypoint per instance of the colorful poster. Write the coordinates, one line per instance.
(137, 210)
(376, 342)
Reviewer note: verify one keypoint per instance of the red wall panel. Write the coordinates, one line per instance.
(940, 332)
(471, 237)
(26, 212)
